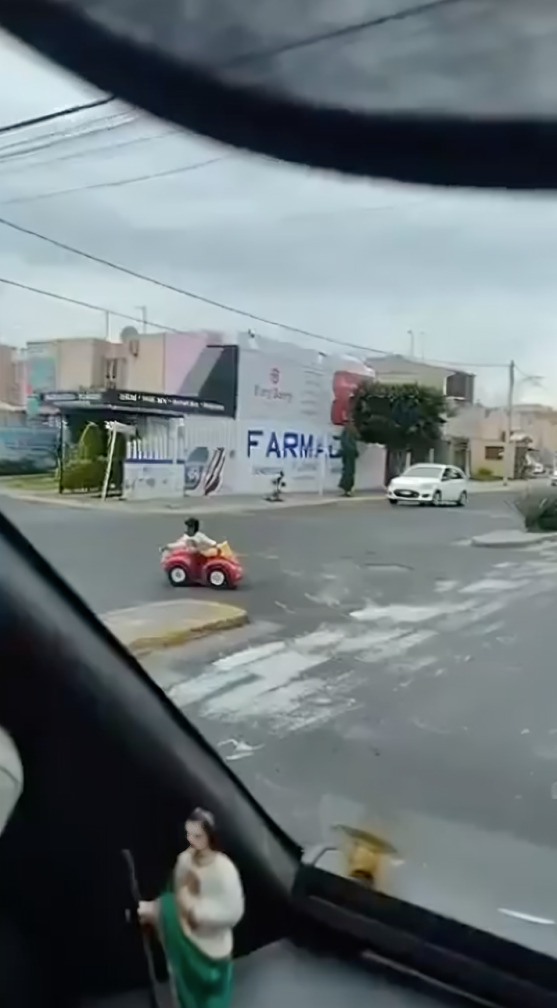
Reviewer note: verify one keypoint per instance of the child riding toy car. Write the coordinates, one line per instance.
(195, 559)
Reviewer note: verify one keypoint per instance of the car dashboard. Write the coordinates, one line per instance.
(286, 974)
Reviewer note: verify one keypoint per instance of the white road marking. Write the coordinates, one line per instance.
(248, 655)
(241, 749)
(525, 916)
(489, 585)
(405, 613)
(269, 683)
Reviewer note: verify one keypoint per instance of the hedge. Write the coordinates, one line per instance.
(83, 474)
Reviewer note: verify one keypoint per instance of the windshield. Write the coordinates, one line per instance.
(429, 472)
(355, 650)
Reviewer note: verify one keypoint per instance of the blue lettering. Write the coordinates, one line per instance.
(290, 444)
(334, 447)
(254, 437)
(306, 446)
(273, 448)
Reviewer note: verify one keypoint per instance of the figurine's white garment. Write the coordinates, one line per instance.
(217, 907)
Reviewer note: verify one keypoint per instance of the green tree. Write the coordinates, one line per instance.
(403, 418)
(91, 443)
(348, 457)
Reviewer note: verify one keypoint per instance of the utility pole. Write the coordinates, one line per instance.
(508, 453)
(106, 325)
(411, 335)
(143, 310)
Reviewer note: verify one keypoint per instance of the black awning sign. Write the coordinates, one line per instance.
(140, 400)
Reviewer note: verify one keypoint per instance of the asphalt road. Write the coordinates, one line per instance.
(388, 664)
(300, 559)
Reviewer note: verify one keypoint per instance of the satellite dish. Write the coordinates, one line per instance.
(446, 92)
(129, 332)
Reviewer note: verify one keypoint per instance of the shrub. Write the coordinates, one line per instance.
(83, 474)
(538, 508)
(485, 474)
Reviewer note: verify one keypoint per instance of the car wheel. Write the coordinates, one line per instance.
(178, 576)
(436, 499)
(218, 578)
(462, 500)
(393, 502)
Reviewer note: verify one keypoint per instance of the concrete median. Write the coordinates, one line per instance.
(157, 625)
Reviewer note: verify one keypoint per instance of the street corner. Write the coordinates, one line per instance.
(151, 627)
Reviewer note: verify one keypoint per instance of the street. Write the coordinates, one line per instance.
(387, 662)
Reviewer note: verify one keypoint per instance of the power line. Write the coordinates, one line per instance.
(212, 301)
(50, 116)
(22, 148)
(335, 33)
(161, 325)
(177, 290)
(84, 304)
(93, 151)
(183, 169)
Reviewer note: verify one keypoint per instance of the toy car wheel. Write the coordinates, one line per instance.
(218, 578)
(178, 576)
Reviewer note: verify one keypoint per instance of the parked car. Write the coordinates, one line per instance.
(429, 483)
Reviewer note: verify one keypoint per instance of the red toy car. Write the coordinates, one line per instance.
(184, 568)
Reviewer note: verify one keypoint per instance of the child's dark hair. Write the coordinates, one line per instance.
(192, 523)
(206, 820)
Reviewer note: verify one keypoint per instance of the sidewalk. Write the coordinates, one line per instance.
(157, 625)
(237, 504)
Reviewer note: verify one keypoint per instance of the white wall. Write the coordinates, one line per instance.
(279, 381)
(307, 455)
(285, 400)
(370, 470)
(153, 479)
(181, 457)
(209, 454)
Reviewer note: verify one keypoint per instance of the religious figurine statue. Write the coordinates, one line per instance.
(195, 919)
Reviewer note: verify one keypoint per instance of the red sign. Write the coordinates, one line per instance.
(345, 384)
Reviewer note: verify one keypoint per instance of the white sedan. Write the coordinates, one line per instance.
(429, 483)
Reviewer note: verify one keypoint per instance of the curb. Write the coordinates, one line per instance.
(123, 507)
(128, 508)
(521, 541)
(225, 617)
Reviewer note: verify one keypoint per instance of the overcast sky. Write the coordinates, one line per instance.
(473, 276)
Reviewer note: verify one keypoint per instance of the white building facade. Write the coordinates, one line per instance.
(290, 405)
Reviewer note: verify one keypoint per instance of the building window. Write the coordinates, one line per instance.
(114, 372)
(111, 370)
(494, 453)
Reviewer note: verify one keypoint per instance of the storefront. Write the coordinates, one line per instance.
(280, 410)
(292, 403)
